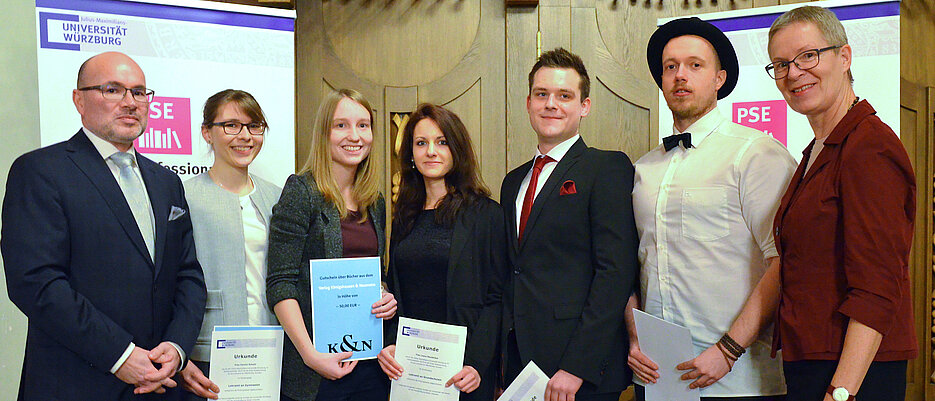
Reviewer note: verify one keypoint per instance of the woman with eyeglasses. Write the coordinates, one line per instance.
(230, 211)
(843, 228)
(331, 209)
(448, 252)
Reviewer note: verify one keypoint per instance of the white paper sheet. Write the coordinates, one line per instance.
(528, 386)
(246, 362)
(667, 345)
(430, 354)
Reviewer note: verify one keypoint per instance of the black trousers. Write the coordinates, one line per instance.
(641, 396)
(809, 380)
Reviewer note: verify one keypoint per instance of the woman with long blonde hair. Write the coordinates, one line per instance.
(331, 209)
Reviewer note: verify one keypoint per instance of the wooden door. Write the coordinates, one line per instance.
(917, 118)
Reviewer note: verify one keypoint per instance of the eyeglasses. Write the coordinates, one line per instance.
(804, 61)
(117, 92)
(236, 127)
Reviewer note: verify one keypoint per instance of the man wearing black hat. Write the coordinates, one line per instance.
(704, 201)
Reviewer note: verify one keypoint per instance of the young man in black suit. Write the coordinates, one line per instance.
(572, 245)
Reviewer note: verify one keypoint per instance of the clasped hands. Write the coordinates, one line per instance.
(140, 368)
(705, 369)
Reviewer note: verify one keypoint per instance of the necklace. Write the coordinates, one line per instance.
(856, 100)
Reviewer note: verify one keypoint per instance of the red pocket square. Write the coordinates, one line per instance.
(568, 188)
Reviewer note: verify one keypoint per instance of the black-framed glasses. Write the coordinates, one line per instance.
(236, 127)
(804, 61)
(117, 92)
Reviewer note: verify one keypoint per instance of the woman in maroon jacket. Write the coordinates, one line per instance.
(844, 227)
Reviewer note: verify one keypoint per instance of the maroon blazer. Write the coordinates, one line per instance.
(843, 234)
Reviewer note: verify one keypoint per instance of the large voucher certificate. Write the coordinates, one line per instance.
(528, 386)
(343, 291)
(430, 353)
(246, 362)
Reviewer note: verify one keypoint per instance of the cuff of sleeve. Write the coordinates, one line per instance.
(182, 359)
(123, 358)
(874, 311)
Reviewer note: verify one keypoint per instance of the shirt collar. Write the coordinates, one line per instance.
(704, 126)
(106, 149)
(558, 152)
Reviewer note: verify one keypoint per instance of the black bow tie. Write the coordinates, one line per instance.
(672, 141)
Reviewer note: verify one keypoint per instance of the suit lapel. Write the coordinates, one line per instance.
(332, 229)
(548, 190)
(459, 238)
(86, 157)
(161, 206)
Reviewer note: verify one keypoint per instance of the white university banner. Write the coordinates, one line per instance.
(189, 50)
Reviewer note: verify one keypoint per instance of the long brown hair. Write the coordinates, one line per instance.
(366, 180)
(465, 187)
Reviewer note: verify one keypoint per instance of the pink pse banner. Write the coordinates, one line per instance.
(768, 116)
(170, 127)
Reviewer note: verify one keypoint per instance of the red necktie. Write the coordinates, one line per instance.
(531, 192)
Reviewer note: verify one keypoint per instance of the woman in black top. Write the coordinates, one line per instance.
(448, 251)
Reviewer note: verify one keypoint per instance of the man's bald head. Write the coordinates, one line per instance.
(118, 121)
(102, 60)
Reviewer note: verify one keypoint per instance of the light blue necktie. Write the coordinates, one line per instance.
(133, 191)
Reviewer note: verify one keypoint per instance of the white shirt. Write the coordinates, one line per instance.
(254, 234)
(557, 153)
(107, 149)
(704, 217)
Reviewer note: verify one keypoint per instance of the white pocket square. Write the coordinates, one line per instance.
(176, 213)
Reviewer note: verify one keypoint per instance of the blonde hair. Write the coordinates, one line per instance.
(366, 188)
(826, 21)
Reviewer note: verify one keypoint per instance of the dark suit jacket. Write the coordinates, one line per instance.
(305, 226)
(477, 268)
(574, 269)
(77, 266)
(844, 233)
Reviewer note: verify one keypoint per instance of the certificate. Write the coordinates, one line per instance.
(343, 291)
(430, 354)
(528, 386)
(246, 362)
(668, 345)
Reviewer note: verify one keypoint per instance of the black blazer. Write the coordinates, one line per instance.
(574, 269)
(77, 266)
(305, 226)
(477, 268)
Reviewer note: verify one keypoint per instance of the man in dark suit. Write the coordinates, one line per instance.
(97, 245)
(573, 245)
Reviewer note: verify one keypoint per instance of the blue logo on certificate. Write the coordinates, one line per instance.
(343, 291)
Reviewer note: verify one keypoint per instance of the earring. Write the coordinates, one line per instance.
(412, 163)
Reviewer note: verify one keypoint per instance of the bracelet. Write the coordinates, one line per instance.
(727, 357)
(732, 346)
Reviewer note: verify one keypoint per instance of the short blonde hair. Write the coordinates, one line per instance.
(827, 23)
(366, 189)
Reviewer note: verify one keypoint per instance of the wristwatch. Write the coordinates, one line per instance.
(840, 394)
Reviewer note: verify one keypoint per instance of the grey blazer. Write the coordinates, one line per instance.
(219, 242)
(305, 226)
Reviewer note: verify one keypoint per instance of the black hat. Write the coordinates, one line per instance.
(704, 29)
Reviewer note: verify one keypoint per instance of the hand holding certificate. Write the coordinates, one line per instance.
(343, 291)
(668, 345)
(430, 354)
(528, 386)
(246, 362)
